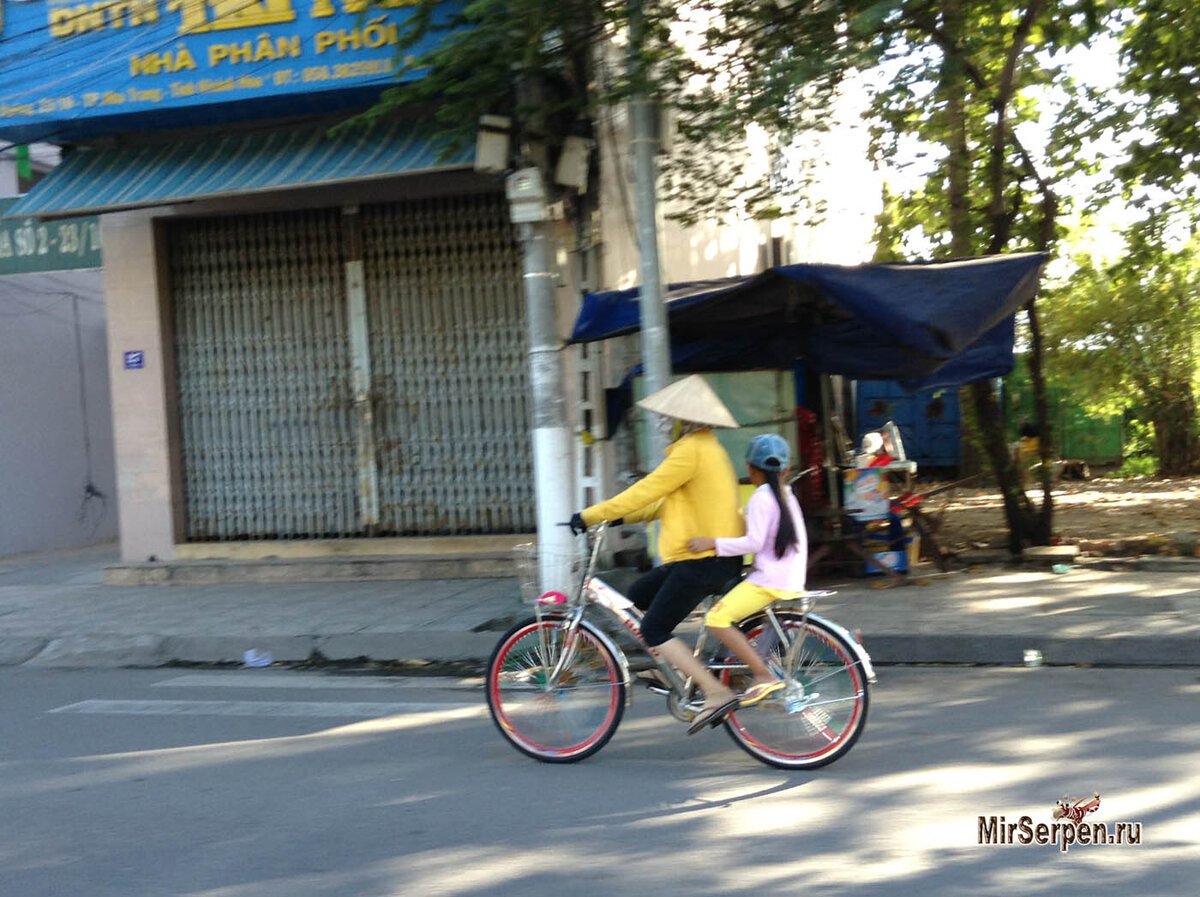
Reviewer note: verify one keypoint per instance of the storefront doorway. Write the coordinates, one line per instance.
(352, 372)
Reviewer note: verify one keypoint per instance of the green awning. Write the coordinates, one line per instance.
(91, 181)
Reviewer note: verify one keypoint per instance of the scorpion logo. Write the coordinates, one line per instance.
(1078, 809)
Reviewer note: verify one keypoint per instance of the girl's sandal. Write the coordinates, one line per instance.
(756, 693)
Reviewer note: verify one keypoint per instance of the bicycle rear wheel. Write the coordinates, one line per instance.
(561, 721)
(819, 715)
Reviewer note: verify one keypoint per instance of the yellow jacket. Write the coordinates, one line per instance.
(694, 492)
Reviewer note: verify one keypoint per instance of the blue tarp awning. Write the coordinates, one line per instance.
(92, 181)
(928, 325)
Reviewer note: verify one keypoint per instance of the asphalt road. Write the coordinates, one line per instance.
(261, 782)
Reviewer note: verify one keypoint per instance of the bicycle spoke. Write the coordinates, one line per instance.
(560, 711)
(829, 675)
(574, 686)
(820, 712)
(853, 697)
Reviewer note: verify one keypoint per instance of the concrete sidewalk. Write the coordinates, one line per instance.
(55, 611)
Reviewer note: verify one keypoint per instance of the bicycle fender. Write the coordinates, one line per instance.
(618, 655)
(860, 652)
(611, 646)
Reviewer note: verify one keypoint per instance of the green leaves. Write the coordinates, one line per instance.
(937, 73)
(1126, 333)
(1159, 45)
(869, 21)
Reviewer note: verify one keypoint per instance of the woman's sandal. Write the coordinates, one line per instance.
(653, 680)
(713, 717)
(756, 693)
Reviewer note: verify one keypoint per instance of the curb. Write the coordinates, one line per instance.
(431, 646)
(17, 651)
(1010, 650)
(479, 565)
(1148, 563)
(106, 651)
(100, 651)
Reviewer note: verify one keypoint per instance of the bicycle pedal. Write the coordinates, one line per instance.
(653, 687)
(652, 681)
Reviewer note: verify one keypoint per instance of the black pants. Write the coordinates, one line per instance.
(669, 593)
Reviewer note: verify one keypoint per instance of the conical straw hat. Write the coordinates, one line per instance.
(690, 399)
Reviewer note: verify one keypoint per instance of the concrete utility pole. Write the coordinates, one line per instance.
(553, 461)
(655, 336)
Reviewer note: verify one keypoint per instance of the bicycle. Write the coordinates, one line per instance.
(558, 685)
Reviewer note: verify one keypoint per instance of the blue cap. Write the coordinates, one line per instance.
(768, 451)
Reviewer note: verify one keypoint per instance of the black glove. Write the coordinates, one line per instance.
(577, 524)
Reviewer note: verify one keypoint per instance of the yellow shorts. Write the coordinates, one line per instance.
(740, 602)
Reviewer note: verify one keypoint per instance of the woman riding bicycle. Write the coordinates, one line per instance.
(693, 490)
(775, 535)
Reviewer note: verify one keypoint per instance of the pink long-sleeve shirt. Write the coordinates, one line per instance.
(762, 521)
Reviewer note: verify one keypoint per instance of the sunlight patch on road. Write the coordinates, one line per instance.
(1010, 578)
(90, 770)
(1142, 802)
(1181, 829)
(955, 779)
(432, 715)
(1032, 745)
(258, 708)
(780, 813)
(306, 681)
(1004, 605)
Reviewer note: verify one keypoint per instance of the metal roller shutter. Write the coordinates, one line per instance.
(263, 370)
(270, 432)
(448, 354)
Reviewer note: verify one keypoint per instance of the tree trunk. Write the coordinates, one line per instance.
(1175, 433)
(958, 164)
(1037, 370)
(1024, 526)
(1045, 526)
(958, 172)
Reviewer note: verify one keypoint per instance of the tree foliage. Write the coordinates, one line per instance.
(1160, 44)
(549, 65)
(977, 94)
(1131, 328)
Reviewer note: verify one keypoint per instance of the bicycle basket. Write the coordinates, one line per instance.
(527, 563)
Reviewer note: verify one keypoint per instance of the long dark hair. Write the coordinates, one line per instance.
(785, 535)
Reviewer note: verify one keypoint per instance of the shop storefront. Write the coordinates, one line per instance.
(276, 443)
(312, 336)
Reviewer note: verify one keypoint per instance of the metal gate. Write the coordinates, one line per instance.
(271, 343)
(451, 383)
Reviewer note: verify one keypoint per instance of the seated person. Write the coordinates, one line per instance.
(695, 487)
(776, 536)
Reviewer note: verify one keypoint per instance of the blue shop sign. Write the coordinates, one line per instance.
(74, 68)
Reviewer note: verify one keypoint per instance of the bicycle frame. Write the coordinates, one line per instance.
(594, 591)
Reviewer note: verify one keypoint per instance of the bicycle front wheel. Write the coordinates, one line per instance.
(555, 719)
(819, 715)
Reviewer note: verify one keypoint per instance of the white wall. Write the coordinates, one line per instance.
(707, 250)
(8, 174)
(55, 438)
(843, 182)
